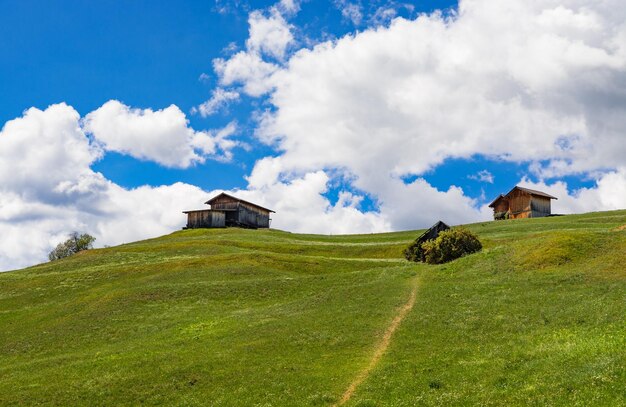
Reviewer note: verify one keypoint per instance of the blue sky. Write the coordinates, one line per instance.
(346, 116)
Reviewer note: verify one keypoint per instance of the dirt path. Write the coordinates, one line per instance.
(381, 347)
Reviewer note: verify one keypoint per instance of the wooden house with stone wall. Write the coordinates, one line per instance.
(227, 210)
(522, 203)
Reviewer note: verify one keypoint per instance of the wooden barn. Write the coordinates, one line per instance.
(227, 210)
(522, 203)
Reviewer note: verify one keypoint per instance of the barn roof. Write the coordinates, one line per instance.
(492, 204)
(533, 192)
(206, 210)
(210, 201)
(527, 190)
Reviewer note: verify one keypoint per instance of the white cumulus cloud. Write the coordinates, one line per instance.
(47, 190)
(163, 136)
(350, 10)
(269, 34)
(608, 193)
(482, 176)
(247, 69)
(219, 99)
(302, 207)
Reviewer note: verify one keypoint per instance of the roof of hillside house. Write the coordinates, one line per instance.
(527, 190)
(210, 201)
(533, 192)
(492, 204)
(433, 232)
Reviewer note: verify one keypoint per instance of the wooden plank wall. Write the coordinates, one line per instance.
(225, 202)
(519, 204)
(540, 206)
(253, 217)
(206, 219)
(501, 206)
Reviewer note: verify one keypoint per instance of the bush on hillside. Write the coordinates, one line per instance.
(76, 243)
(501, 216)
(414, 252)
(449, 245)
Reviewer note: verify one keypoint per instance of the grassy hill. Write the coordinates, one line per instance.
(252, 317)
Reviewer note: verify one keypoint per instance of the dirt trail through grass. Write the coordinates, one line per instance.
(380, 349)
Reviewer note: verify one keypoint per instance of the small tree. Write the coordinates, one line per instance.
(76, 243)
(449, 245)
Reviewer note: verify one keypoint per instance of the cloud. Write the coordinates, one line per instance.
(418, 205)
(47, 190)
(609, 193)
(163, 136)
(400, 205)
(269, 35)
(442, 96)
(219, 99)
(302, 207)
(112, 214)
(42, 150)
(288, 6)
(351, 11)
(482, 176)
(247, 69)
(384, 14)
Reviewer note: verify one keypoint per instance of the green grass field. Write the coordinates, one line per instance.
(264, 317)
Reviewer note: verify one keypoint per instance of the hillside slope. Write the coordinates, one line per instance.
(252, 317)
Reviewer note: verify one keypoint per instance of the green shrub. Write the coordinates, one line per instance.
(449, 245)
(414, 252)
(501, 215)
(76, 243)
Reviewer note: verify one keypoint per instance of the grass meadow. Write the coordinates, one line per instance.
(263, 317)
